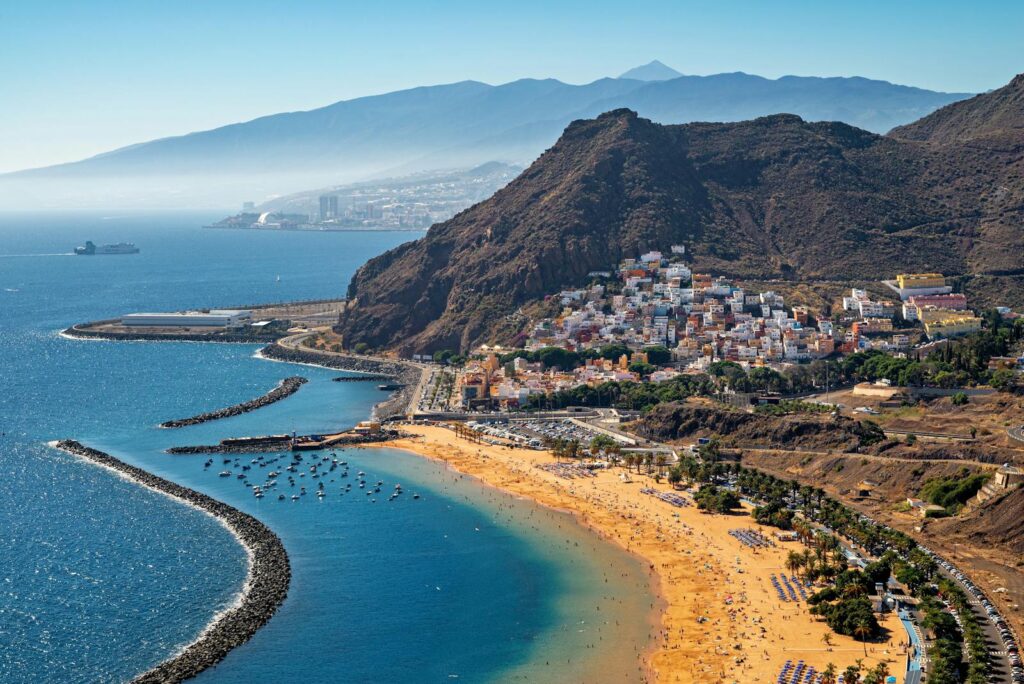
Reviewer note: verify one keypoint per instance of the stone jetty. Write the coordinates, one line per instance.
(285, 388)
(266, 586)
(399, 372)
(265, 443)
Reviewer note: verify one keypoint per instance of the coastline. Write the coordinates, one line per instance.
(265, 588)
(716, 618)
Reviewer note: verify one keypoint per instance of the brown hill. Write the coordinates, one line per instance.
(775, 197)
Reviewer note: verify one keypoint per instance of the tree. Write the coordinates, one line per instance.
(675, 476)
(794, 562)
(828, 675)
(959, 399)
(862, 630)
(641, 368)
(877, 674)
(658, 354)
(361, 348)
(852, 674)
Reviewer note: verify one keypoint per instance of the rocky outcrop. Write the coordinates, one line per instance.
(735, 428)
(284, 389)
(266, 586)
(776, 197)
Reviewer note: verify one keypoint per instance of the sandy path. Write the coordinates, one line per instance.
(722, 621)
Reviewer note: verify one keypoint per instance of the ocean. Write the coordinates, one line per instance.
(101, 579)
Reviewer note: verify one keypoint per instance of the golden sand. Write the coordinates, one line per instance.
(721, 620)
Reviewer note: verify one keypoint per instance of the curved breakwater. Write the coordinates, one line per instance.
(405, 373)
(284, 389)
(265, 589)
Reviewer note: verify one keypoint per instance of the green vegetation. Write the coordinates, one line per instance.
(716, 499)
(626, 395)
(448, 356)
(969, 356)
(843, 604)
(953, 492)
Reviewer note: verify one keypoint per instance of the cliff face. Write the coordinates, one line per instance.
(775, 197)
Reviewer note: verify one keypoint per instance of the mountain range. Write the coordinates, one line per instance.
(457, 125)
(776, 197)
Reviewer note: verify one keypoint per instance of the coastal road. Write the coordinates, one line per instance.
(1016, 433)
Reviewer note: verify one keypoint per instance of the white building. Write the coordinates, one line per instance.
(215, 318)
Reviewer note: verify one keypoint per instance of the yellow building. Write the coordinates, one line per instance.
(930, 314)
(917, 281)
(954, 325)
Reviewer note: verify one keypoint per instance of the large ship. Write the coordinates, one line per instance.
(120, 248)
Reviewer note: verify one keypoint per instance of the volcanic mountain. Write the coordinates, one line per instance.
(775, 197)
(454, 125)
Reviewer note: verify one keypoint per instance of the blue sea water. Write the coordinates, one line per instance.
(101, 579)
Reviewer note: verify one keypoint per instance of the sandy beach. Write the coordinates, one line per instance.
(721, 620)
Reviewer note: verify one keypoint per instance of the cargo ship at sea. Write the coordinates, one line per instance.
(120, 248)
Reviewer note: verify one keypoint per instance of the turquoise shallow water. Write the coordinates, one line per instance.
(100, 579)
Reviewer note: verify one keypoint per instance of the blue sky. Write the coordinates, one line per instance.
(79, 78)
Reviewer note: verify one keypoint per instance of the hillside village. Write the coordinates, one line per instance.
(653, 319)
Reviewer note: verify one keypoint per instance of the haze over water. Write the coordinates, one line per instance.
(100, 579)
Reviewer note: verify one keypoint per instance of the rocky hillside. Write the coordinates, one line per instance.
(776, 197)
(736, 428)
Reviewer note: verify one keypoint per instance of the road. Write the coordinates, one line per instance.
(1016, 433)
(1001, 671)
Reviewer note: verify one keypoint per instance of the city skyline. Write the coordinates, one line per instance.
(92, 79)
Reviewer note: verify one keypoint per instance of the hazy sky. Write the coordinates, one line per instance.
(79, 78)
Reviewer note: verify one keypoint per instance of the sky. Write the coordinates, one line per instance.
(84, 77)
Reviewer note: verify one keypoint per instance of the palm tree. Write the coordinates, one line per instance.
(828, 675)
(827, 639)
(863, 630)
(794, 561)
(661, 461)
(877, 674)
(853, 589)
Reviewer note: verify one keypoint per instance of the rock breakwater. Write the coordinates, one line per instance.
(284, 389)
(401, 372)
(265, 589)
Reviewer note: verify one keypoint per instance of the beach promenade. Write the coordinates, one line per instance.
(720, 618)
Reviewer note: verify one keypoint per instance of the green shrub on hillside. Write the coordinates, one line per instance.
(953, 492)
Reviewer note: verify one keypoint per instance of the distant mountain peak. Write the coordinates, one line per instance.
(652, 71)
